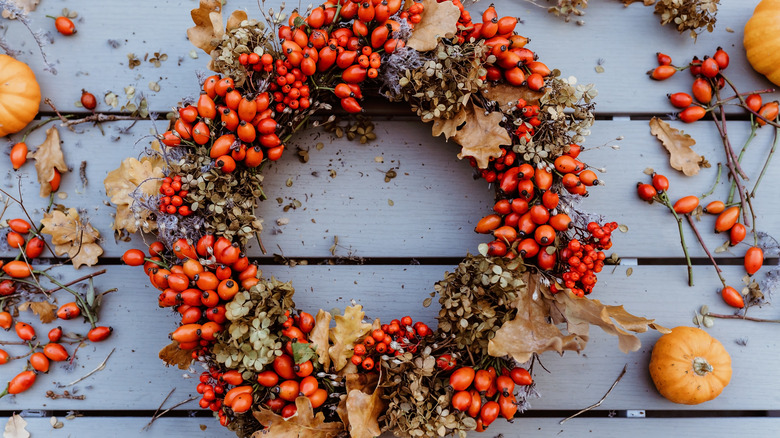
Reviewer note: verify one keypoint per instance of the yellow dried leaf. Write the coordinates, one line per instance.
(235, 19)
(438, 20)
(44, 309)
(48, 156)
(349, 328)
(26, 6)
(142, 177)
(72, 237)
(482, 135)
(507, 95)
(303, 424)
(171, 354)
(363, 405)
(208, 29)
(448, 127)
(319, 337)
(530, 332)
(678, 144)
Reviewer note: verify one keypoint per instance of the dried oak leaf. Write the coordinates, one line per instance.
(645, 2)
(73, 237)
(363, 405)
(579, 313)
(44, 309)
(507, 95)
(16, 427)
(26, 6)
(448, 127)
(530, 332)
(482, 135)
(208, 29)
(171, 354)
(349, 328)
(48, 156)
(145, 176)
(438, 20)
(319, 337)
(678, 143)
(303, 424)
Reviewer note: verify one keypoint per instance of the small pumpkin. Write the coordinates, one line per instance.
(762, 39)
(20, 95)
(689, 366)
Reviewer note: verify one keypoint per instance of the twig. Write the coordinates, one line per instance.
(598, 403)
(98, 118)
(665, 199)
(48, 101)
(99, 368)
(86, 277)
(158, 409)
(168, 410)
(746, 318)
(753, 128)
(717, 180)
(745, 105)
(704, 247)
(766, 163)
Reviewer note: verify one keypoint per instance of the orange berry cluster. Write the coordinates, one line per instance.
(389, 340)
(484, 395)
(173, 197)
(583, 260)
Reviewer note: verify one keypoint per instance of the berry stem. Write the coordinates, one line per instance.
(744, 104)
(746, 318)
(753, 127)
(714, 185)
(706, 250)
(766, 163)
(665, 199)
(732, 171)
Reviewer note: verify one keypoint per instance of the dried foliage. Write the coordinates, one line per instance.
(361, 407)
(251, 338)
(209, 29)
(477, 298)
(678, 144)
(349, 328)
(44, 309)
(439, 20)
(247, 37)
(171, 354)
(71, 236)
(304, 424)
(134, 180)
(688, 15)
(48, 156)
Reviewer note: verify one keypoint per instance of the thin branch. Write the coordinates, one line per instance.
(766, 163)
(99, 368)
(158, 409)
(746, 318)
(98, 118)
(665, 199)
(704, 247)
(598, 403)
(86, 277)
(168, 410)
(717, 180)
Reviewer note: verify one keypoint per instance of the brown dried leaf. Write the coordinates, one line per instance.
(448, 127)
(319, 337)
(530, 332)
(48, 156)
(145, 176)
(579, 313)
(349, 328)
(507, 95)
(235, 19)
(363, 405)
(171, 354)
(482, 135)
(208, 29)
(303, 424)
(44, 309)
(645, 2)
(73, 237)
(678, 143)
(438, 20)
(26, 6)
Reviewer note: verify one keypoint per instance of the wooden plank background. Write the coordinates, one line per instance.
(436, 204)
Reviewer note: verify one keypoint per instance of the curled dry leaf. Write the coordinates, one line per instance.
(133, 177)
(48, 156)
(171, 354)
(208, 29)
(448, 127)
(349, 328)
(530, 332)
(361, 408)
(26, 6)
(438, 20)
(16, 427)
(73, 237)
(482, 135)
(319, 337)
(507, 95)
(303, 424)
(44, 309)
(678, 144)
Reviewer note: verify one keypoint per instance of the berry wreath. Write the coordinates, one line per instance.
(273, 367)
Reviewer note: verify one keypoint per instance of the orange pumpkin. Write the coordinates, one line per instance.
(20, 95)
(762, 44)
(689, 366)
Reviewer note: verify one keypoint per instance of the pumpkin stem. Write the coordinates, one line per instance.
(701, 367)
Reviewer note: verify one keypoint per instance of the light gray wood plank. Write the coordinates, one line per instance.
(135, 378)
(531, 427)
(436, 202)
(611, 32)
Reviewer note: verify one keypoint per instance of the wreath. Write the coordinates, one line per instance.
(273, 367)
